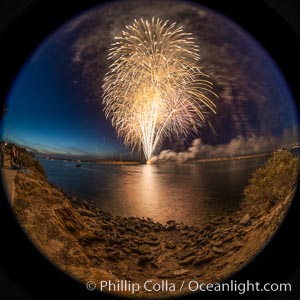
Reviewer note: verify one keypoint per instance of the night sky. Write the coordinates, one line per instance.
(54, 106)
(49, 110)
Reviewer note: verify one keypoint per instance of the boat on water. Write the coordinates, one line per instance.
(78, 164)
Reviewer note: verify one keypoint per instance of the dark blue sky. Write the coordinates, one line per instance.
(54, 106)
(49, 110)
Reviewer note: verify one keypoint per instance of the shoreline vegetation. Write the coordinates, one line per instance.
(91, 244)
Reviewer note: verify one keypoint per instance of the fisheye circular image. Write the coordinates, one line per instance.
(148, 146)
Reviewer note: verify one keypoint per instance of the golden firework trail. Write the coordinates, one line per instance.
(155, 87)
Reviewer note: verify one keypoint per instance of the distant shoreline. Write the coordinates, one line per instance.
(204, 160)
(104, 162)
(234, 157)
(116, 162)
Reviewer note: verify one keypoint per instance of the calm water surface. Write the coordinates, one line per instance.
(189, 193)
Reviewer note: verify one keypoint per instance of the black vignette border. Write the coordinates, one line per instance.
(23, 26)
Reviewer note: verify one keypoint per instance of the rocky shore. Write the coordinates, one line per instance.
(90, 244)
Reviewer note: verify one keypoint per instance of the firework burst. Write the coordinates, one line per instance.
(155, 87)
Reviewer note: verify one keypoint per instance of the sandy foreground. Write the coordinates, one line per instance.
(90, 244)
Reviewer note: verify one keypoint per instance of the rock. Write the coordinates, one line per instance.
(88, 238)
(186, 254)
(217, 243)
(145, 259)
(245, 219)
(218, 250)
(137, 226)
(171, 222)
(186, 245)
(141, 234)
(233, 228)
(96, 262)
(135, 250)
(85, 212)
(228, 239)
(156, 249)
(199, 240)
(165, 275)
(171, 227)
(194, 245)
(215, 236)
(107, 218)
(181, 272)
(138, 242)
(146, 229)
(152, 237)
(203, 259)
(154, 265)
(110, 241)
(183, 232)
(106, 226)
(131, 229)
(249, 229)
(203, 241)
(170, 245)
(143, 250)
(160, 259)
(236, 247)
(200, 231)
(188, 261)
(208, 227)
(191, 234)
(131, 244)
(126, 251)
(241, 233)
(109, 249)
(85, 204)
(151, 243)
(116, 255)
(157, 228)
(120, 241)
(215, 222)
